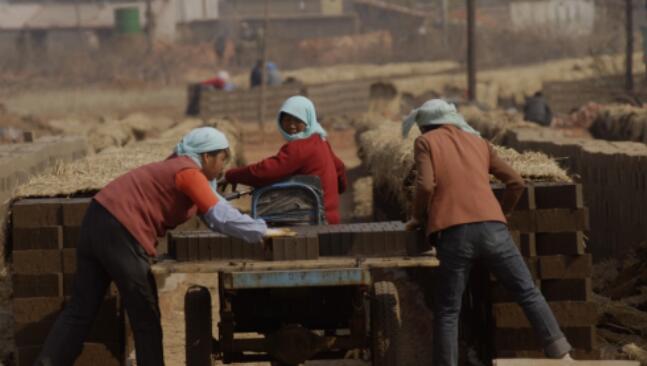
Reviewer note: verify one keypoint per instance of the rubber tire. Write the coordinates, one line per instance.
(197, 317)
(385, 324)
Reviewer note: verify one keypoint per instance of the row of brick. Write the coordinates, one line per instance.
(576, 289)
(46, 212)
(554, 267)
(543, 244)
(547, 195)
(311, 242)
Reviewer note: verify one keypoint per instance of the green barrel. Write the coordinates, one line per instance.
(127, 21)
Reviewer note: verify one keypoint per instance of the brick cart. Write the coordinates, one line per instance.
(305, 297)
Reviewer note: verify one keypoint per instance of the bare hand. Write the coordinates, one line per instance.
(279, 232)
(223, 184)
(412, 224)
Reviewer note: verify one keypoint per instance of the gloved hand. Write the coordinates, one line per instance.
(223, 184)
(279, 232)
(412, 224)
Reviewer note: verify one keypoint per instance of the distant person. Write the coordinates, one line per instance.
(537, 110)
(222, 81)
(219, 46)
(256, 75)
(274, 77)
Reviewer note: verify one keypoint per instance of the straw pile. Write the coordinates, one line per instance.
(494, 124)
(89, 175)
(389, 159)
(620, 123)
(515, 83)
(107, 132)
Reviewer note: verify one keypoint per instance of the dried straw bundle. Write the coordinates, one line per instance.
(89, 175)
(621, 123)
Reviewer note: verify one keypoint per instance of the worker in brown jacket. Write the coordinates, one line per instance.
(455, 204)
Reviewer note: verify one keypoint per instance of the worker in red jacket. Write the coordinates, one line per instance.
(307, 152)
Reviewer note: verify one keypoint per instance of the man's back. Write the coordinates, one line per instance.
(461, 164)
(537, 110)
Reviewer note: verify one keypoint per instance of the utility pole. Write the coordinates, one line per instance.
(629, 67)
(261, 102)
(471, 50)
(150, 25)
(644, 34)
(445, 15)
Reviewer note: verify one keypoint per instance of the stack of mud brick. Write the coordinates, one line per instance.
(311, 242)
(45, 233)
(548, 226)
(332, 99)
(615, 184)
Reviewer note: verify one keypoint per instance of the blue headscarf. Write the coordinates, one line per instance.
(436, 112)
(303, 109)
(200, 141)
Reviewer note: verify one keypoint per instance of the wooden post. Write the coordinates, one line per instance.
(445, 13)
(629, 68)
(644, 34)
(261, 102)
(471, 50)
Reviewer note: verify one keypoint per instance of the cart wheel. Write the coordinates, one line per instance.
(385, 324)
(197, 317)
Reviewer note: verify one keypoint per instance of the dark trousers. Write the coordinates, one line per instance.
(107, 252)
(458, 247)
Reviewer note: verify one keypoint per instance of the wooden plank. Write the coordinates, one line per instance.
(547, 362)
(168, 267)
(567, 313)
(526, 338)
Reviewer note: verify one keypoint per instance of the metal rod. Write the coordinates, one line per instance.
(629, 68)
(471, 50)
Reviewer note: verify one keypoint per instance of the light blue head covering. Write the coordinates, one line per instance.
(200, 141)
(303, 109)
(436, 112)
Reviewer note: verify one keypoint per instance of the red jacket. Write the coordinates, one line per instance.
(311, 156)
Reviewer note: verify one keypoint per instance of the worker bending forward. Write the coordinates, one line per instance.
(119, 236)
(454, 201)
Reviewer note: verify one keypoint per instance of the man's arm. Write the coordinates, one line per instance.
(514, 184)
(425, 179)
